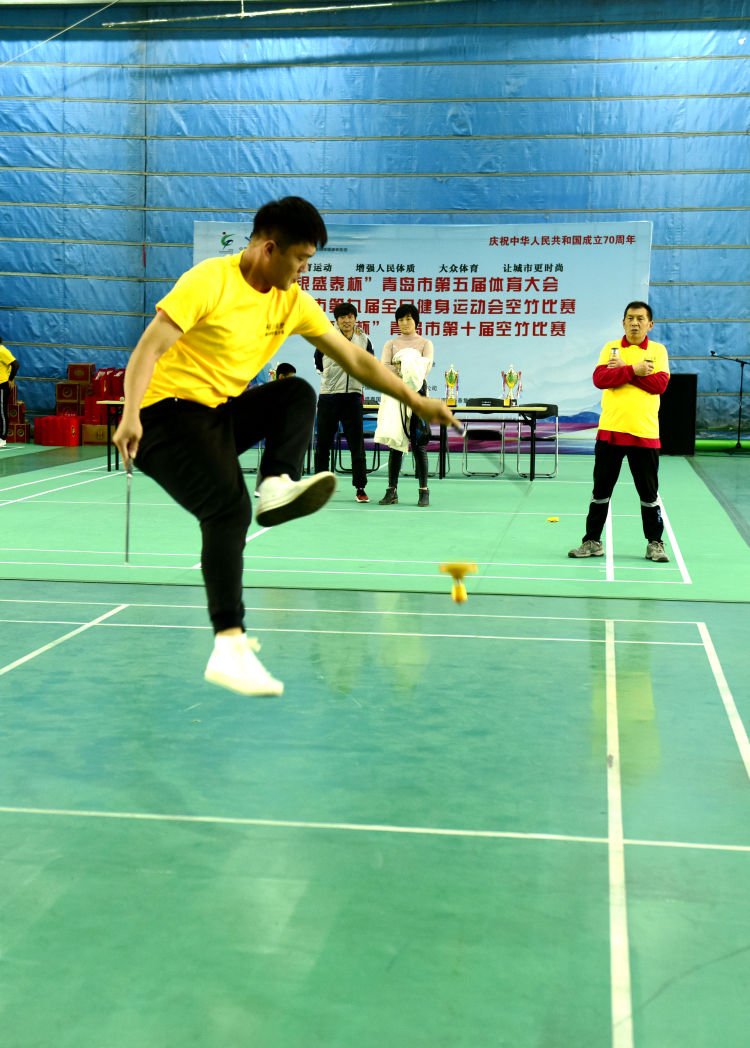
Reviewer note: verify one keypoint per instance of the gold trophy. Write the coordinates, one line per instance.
(272, 373)
(451, 386)
(511, 386)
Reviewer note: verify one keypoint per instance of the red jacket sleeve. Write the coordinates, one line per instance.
(610, 378)
(655, 383)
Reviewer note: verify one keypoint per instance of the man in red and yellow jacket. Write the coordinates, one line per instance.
(632, 372)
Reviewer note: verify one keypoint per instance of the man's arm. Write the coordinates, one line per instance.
(655, 383)
(158, 337)
(371, 373)
(14, 366)
(617, 373)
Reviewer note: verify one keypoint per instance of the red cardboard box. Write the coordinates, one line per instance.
(81, 372)
(94, 414)
(68, 430)
(18, 432)
(117, 385)
(66, 391)
(40, 428)
(58, 430)
(67, 407)
(103, 384)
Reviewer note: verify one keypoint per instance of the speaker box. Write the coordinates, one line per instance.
(677, 415)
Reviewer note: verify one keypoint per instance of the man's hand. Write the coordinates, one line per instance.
(127, 437)
(160, 334)
(436, 411)
(643, 368)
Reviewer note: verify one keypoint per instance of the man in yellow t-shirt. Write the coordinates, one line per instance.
(8, 369)
(632, 373)
(189, 414)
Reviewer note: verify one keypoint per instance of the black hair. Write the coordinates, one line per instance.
(344, 309)
(291, 221)
(408, 309)
(638, 305)
(285, 369)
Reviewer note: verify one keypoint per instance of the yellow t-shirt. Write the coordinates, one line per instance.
(626, 408)
(230, 331)
(6, 359)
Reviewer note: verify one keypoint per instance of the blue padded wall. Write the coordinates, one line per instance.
(115, 139)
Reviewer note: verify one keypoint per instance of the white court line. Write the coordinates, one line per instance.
(675, 548)
(735, 721)
(65, 487)
(254, 565)
(396, 633)
(622, 1007)
(609, 555)
(351, 611)
(365, 633)
(127, 568)
(60, 640)
(250, 538)
(355, 827)
(47, 480)
(352, 827)
(84, 552)
(249, 569)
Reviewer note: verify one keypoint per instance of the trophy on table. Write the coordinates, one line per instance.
(511, 386)
(451, 386)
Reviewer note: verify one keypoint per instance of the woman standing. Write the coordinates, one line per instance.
(407, 318)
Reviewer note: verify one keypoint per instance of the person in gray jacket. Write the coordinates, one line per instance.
(340, 401)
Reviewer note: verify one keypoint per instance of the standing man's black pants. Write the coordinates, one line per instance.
(344, 408)
(193, 451)
(644, 466)
(4, 398)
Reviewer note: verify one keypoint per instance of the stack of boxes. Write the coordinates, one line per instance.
(18, 427)
(79, 418)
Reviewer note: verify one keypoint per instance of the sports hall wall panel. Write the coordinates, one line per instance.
(115, 139)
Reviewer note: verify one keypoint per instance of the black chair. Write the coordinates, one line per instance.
(368, 425)
(481, 432)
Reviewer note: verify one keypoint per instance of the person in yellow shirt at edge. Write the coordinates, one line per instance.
(8, 371)
(188, 415)
(632, 372)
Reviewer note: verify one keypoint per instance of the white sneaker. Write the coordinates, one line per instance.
(3, 443)
(234, 665)
(283, 499)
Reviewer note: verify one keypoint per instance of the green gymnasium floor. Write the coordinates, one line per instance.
(521, 822)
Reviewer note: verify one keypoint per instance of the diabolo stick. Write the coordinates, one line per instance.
(457, 570)
(128, 482)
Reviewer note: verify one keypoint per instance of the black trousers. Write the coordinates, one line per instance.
(344, 408)
(193, 452)
(4, 398)
(644, 467)
(395, 458)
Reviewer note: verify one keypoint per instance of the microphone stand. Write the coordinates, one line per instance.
(738, 360)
